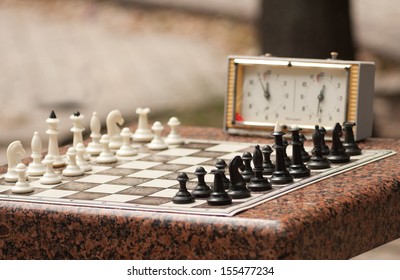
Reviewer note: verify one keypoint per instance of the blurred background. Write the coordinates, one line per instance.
(171, 56)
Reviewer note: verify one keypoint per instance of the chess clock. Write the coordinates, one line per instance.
(304, 92)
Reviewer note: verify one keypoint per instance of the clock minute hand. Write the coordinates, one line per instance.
(267, 94)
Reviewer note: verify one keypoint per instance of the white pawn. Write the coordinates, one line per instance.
(157, 143)
(106, 156)
(126, 149)
(80, 160)
(173, 137)
(14, 153)
(142, 133)
(49, 177)
(22, 185)
(72, 168)
(36, 167)
(94, 148)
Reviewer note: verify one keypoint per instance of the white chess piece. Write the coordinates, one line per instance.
(72, 168)
(114, 118)
(173, 137)
(142, 133)
(126, 149)
(106, 156)
(77, 130)
(157, 143)
(52, 131)
(49, 177)
(80, 160)
(15, 152)
(22, 185)
(94, 148)
(36, 167)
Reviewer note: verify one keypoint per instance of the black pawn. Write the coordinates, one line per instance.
(221, 165)
(324, 147)
(337, 153)
(237, 187)
(258, 183)
(304, 155)
(182, 196)
(317, 161)
(218, 195)
(268, 166)
(247, 172)
(280, 175)
(288, 161)
(350, 144)
(202, 189)
(297, 169)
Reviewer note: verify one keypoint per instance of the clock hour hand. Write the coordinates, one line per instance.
(320, 97)
(267, 94)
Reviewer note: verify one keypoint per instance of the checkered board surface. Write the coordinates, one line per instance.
(148, 182)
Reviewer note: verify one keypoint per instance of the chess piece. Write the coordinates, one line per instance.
(173, 137)
(258, 183)
(142, 133)
(280, 175)
(77, 130)
(22, 185)
(80, 160)
(72, 169)
(324, 147)
(317, 161)
(218, 195)
(183, 196)
(15, 152)
(350, 144)
(113, 121)
(53, 150)
(94, 148)
(221, 165)
(297, 169)
(36, 167)
(337, 153)
(237, 186)
(106, 156)
(157, 143)
(304, 155)
(247, 171)
(49, 177)
(126, 148)
(202, 189)
(268, 166)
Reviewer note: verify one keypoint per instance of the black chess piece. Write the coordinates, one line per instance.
(349, 143)
(247, 172)
(221, 165)
(324, 147)
(297, 169)
(183, 196)
(258, 183)
(337, 153)
(268, 166)
(218, 195)
(202, 189)
(288, 161)
(280, 175)
(304, 155)
(237, 187)
(317, 161)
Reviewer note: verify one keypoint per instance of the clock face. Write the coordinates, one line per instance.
(292, 95)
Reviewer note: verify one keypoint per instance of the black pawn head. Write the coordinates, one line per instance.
(182, 177)
(316, 137)
(200, 171)
(221, 164)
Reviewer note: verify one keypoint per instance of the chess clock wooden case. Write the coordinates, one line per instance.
(303, 92)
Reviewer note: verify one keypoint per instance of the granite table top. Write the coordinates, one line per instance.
(337, 218)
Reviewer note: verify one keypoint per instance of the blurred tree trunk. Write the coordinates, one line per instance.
(306, 28)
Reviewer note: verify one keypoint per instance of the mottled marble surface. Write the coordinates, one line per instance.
(337, 218)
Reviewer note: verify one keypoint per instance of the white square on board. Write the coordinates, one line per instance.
(160, 183)
(178, 152)
(189, 160)
(107, 188)
(97, 178)
(139, 164)
(227, 147)
(153, 174)
(54, 193)
(118, 197)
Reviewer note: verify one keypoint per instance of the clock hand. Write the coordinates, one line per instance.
(267, 94)
(320, 97)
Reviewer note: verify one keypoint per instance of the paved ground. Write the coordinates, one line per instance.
(96, 56)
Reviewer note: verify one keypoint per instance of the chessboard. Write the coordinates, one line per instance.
(148, 180)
